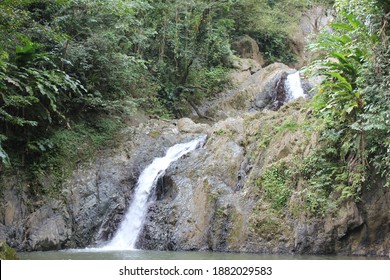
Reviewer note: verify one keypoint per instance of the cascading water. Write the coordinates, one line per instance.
(293, 87)
(127, 234)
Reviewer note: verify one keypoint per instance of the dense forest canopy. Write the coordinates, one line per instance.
(71, 71)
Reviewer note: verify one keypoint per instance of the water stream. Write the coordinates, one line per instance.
(293, 87)
(129, 229)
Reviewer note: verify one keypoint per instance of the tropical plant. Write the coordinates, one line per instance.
(349, 94)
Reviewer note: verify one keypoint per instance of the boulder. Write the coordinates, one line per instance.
(49, 228)
(246, 47)
(186, 125)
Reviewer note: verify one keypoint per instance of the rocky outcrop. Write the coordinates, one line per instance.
(93, 200)
(49, 227)
(263, 89)
(211, 200)
(98, 195)
(13, 211)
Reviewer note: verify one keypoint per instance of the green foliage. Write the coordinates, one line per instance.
(104, 49)
(192, 52)
(288, 125)
(324, 175)
(345, 53)
(34, 92)
(270, 25)
(44, 102)
(275, 183)
(66, 148)
(276, 46)
(375, 121)
(351, 100)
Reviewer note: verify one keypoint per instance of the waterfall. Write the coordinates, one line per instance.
(129, 229)
(293, 87)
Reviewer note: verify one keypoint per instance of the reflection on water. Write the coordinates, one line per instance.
(164, 255)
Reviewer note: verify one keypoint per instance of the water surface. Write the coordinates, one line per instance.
(169, 255)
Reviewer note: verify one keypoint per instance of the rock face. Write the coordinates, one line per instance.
(312, 22)
(211, 199)
(263, 89)
(13, 212)
(49, 227)
(93, 200)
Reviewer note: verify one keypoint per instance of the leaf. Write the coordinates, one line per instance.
(342, 26)
(41, 89)
(341, 58)
(342, 80)
(13, 82)
(350, 108)
(29, 90)
(353, 21)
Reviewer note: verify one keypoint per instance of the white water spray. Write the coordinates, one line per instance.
(293, 86)
(129, 229)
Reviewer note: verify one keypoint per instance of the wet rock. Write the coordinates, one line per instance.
(98, 196)
(274, 95)
(197, 216)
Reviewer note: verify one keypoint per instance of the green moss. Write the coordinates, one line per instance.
(213, 198)
(236, 230)
(6, 252)
(221, 212)
(220, 132)
(288, 125)
(155, 134)
(265, 222)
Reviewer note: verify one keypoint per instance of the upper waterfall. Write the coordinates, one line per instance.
(293, 87)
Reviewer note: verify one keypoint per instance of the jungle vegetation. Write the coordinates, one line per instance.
(73, 71)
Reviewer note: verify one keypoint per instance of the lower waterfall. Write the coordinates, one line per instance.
(129, 229)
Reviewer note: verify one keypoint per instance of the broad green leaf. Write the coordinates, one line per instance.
(342, 26)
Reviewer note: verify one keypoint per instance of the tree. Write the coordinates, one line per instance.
(34, 91)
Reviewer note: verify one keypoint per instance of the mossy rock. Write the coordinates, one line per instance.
(6, 252)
